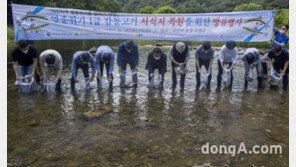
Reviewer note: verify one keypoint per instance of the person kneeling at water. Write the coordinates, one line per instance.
(156, 60)
(179, 54)
(278, 58)
(49, 59)
(251, 60)
(104, 55)
(128, 53)
(204, 56)
(228, 56)
(82, 59)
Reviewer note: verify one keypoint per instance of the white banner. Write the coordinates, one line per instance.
(47, 23)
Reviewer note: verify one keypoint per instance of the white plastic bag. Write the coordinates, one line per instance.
(250, 76)
(226, 77)
(104, 82)
(203, 80)
(155, 81)
(49, 86)
(274, 77)
(27, 84)
(83, 85)
(180, 70)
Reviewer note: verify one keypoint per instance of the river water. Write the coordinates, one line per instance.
(143, 127)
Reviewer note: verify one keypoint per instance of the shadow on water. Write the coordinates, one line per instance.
(143, 126)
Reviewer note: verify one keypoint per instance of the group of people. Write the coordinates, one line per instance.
(24, 58)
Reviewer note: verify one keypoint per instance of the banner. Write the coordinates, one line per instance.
(47, 23)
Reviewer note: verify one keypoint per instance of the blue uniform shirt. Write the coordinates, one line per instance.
(100, 51)
(282, 40)
(124, 56)
(77, 62)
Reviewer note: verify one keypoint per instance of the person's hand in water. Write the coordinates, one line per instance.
(75, 80)
(99, 75)
(92, 78)
(110, 78)
(56, 80)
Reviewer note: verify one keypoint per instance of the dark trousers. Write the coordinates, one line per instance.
(123, 68)
(162, 76)
(206, 64)
(58, 85)
(264, 69)
(285, 76)
(220, 72)
(85, 74)
(174, 78)
(107, 72)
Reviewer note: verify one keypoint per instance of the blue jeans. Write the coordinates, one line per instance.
(85, 74)
(24, 70)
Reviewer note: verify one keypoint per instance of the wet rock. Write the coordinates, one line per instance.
(96, 114)
(146, 126)
(33, 123)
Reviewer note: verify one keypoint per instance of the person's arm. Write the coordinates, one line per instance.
(270, 63)
(15, 63)
(221, 57)
(136, 58)
(187, 55)
(282, 43)
(111, 64)
(34, 67)
(34, 61)
(93, 68)
(285, 67)
(172, 57)
(163, 69)
(210, 66)
(97, 64)
(119, 57)
(15, 69)
(74, 67)
(58, 75)
(274, 29)
(270, 59)
(41, 63)
(234, 59)
(197, 64)
(149, 62)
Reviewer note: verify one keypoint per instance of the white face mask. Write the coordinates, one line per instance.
(156, 58)
(205, 51)
(282, 31)
(26, 51)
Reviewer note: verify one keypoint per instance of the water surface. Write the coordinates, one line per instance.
(143, 127)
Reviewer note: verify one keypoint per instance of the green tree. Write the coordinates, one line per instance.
(248, 7)
(147, 10)
(282, 17)
(166, 10)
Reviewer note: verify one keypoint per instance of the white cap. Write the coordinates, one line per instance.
(180, 47)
